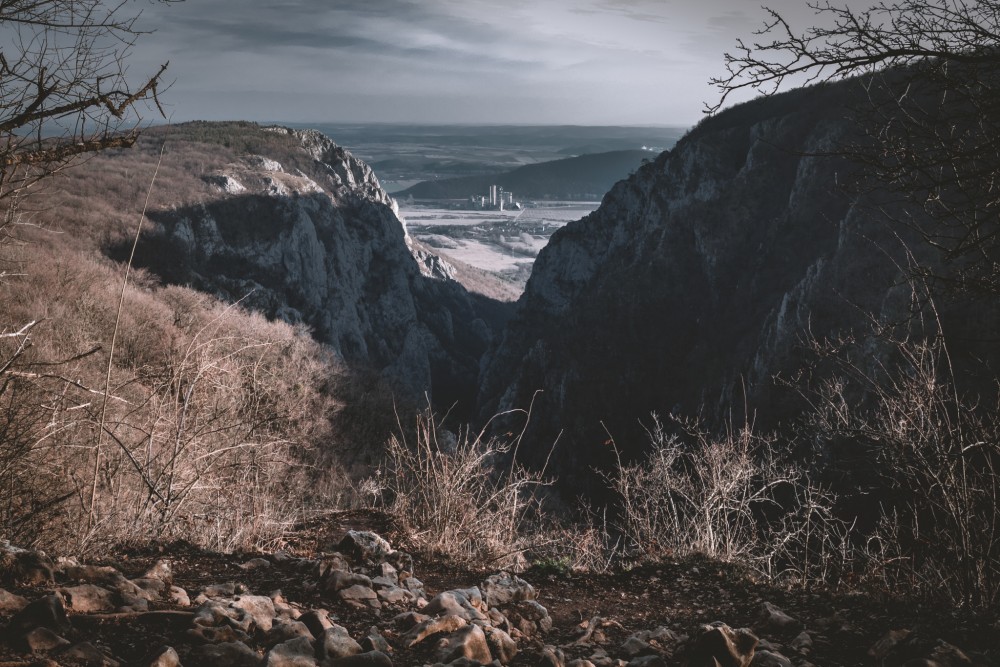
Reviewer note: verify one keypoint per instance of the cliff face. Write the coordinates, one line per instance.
(695, 282)
(320, 244)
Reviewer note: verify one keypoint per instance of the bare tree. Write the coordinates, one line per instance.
(929, 114)
(64, 89)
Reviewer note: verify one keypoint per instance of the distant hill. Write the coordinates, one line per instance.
(585, 176)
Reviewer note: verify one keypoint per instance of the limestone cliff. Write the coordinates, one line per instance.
(317, 241)
(695, 282)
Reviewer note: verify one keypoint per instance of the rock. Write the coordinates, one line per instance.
(317, 620)
(718, 645)
(102, 575)
(409, 619)
(178, 596)
(802, 643)
(284, 629)
(338, 580)
(167, 657)
(580, 662)
(41, 640)
(24, 567)
(332, 563)
(11, 603)
(335, 643)
(946, 655)
(360, 595)
(46, 612)
(228, 654)
(769, 659)
(647, 661)
(529, 617)
(395, 595)
(296, 652)
(365, 547)
(163, 570)
(255, 564)
(260, 608)
(226, 590)
(217, 635)
(422, 631)
(374, 641)
(773, 619)
(87, 654)
(888, 643)
(552, 657)
(502, 589)
(502, 646)
(150, 588)
(467, 642)
(633, 646)
(467, 603)
(369, 659)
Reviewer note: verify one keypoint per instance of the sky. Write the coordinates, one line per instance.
(578, 62)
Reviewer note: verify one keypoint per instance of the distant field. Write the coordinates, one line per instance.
(502, 242)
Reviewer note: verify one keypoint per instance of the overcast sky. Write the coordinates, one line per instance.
(587, 62)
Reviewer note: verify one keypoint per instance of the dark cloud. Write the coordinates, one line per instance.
(573, 61)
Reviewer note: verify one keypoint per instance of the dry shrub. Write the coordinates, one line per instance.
(936, 454)
(458, 497)
(727, 497)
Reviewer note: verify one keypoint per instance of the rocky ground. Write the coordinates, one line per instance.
(341, 595)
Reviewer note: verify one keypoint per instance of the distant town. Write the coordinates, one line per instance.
(498, 199)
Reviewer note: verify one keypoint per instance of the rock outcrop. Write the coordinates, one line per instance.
(317, 241)
(696, 282)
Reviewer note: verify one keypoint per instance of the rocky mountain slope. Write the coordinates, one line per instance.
(317, 241)
(698, 280)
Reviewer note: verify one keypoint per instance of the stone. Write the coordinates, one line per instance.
(580, 662)
(227, 654)
(338, 580)
(24, 567)
(102, 575)
(332, 563)
(633, 646)
(296, 652)
(466, 642)
(11, 603)
(41, 640)
(179, 596)
(551, 657)
(769, 659)
(718, 645)
(167, 657)
(334, 643)
(255, 564)
(369, 659)
(502, 646)
(467, 603)
(87, 654)
(773, 619)
(409, 619)
(226, 590)
(46, 612)
(317, 620)
(887, 643)
(260, 608)
(430, 627)
(647, 661)
(285, 629)
(151, 588)
(214, 613)
(502, 589)
(217, 635)
(360, 595)
(374, 641)
(529, 618)
(395, 595)
(162, 570)
(365, 547)
(802, 643)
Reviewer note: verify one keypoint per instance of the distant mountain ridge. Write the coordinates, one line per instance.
(583, 176)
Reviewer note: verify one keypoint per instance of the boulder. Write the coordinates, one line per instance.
(163, 570)
(466, 603)
(771, 619)
(42, 640)
(87, 654)
(369, 659)
(430, 627)
(529, 618)
(11, 603)
(335, 643)
(167, 657)
(24, 567)
(228, 654)
(317, 620)
(502, 589)
(718, 645)
(260, 608)
(88, 598)
(46, 612)
(296, 652)
(285, 629)
(502, 646)
(769, 659)
(466, 642)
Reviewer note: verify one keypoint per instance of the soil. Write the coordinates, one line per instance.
(679, 594)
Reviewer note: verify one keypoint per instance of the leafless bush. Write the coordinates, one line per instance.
(458, 497)
(728, 497)
(937, 455)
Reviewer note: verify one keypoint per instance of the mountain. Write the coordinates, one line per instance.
(585, 176)
(701, 278)
(305, 233)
